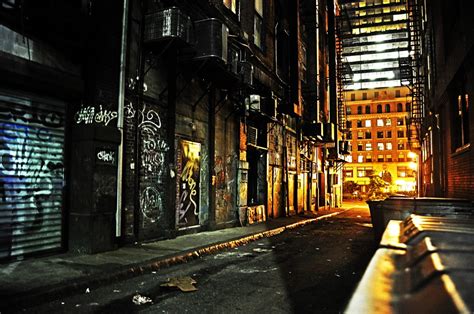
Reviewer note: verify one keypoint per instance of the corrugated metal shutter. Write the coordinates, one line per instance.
(31, 175)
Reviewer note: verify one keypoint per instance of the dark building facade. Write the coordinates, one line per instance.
(150, 119)
(447, 131)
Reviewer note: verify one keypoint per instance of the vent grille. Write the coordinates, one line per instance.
(252, 134)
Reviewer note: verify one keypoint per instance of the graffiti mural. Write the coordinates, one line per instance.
(31, 176)
(153, 161)
(188, 183)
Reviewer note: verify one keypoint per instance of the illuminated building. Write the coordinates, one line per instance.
(378, 106)
(376, 121)
(375, 41)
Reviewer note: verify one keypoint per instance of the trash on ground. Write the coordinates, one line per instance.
(261, 250)
(140, 299)
(116, 291)
(94, 304)
(185, 284)
(88, 290)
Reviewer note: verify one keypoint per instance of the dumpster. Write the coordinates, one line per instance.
(423, 265)
(399, 208)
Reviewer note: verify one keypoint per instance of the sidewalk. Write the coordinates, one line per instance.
(46, 278)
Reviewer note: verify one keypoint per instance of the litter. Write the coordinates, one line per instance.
(185, 284)
(140, 299)
(88, 290)
(261, 250)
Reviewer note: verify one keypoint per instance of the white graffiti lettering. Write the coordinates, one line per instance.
(106, 156)
(105, 116)
(88, 115)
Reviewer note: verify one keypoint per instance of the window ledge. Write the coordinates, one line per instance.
(461, 150)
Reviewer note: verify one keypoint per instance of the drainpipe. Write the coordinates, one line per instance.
(120, 111)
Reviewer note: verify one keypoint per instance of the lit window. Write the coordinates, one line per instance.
(258, 24)
(360, 135)
(401, 146)
(388, 158)
(388, 146)
(380, 158)
(379, 122)
(388, 122)
(368, 123)
(348, 173)
(461, 124)
(360, 158)
(399, 121)
(368, 158)
(368, 146)
(380, 146)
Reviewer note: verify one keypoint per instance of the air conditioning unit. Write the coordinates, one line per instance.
(211, 39)
(252, 134)
(166, 24)
(246, 72)
(254, 103)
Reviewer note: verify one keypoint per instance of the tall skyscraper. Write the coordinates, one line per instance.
(375, 42)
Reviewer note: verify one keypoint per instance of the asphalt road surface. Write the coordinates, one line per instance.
(311, 269)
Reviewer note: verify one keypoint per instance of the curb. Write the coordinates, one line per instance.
(61, 290)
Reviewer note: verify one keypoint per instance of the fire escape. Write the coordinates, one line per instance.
(412, 73)
(343, 78)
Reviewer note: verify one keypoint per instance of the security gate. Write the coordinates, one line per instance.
(31, 175)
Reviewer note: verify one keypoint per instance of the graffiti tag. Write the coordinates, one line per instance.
(89, 115)
(106, 156)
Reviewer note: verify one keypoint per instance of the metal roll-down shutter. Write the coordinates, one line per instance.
(31, 175)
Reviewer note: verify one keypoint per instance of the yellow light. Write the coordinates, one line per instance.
(411, 155)
(412, 165)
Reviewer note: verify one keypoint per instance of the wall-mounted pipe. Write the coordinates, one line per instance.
(120, 112)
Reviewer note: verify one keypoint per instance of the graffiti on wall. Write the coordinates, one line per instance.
(105, 156)
(153, 145)
(150, 203)
(31, 175)
(153, 163)
(226, 187)
(188, 183)
(91, 114)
